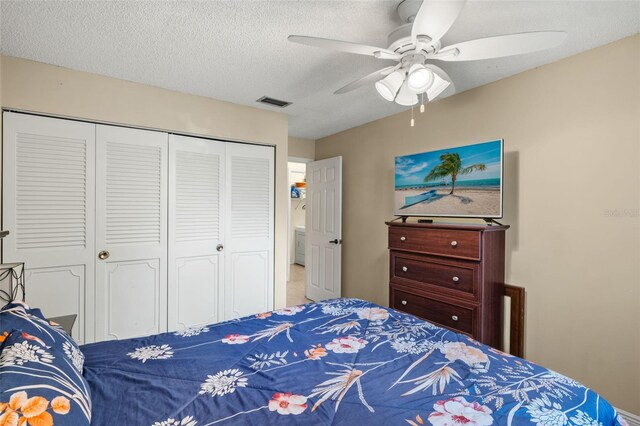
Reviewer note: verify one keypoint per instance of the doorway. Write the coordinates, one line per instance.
(297, 232)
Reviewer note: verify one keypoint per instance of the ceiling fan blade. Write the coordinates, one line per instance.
(435, 17)
(368, 79)
(345, 46)
(448, 89)
(500, 46)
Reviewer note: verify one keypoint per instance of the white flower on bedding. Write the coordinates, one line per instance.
(292, 310)
(187, 421)
(336, 310)
(346, 345)
(223, 383)
(75, 356)
(409, 345)
(152, 352)
(235, 339)
(192, 331)
(583, 419)
(567, 381)
(373, 314)
(545, 413)
(458, 351)
(22, 353)
(457, 411)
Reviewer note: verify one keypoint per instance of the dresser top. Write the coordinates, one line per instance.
(456, 226)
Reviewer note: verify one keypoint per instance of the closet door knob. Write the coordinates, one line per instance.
(454, 317)
(103, 255)
(219, 247)
(454, 243)
(455, 279)
(404, 302)
(403, 238)
(404, 269)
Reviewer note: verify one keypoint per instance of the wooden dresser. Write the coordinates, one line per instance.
(451, 275)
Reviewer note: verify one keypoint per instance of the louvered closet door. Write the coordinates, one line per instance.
(131, 232)
(248, 251)
(48, 207)
(196, 218)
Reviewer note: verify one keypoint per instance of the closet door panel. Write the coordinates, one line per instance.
(249, 230)
(48, 207)
(131, 232)
(196, 219)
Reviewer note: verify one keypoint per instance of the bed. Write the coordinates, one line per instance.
(338, 362)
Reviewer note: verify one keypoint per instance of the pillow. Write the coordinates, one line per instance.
(18, 316)
(40, 386)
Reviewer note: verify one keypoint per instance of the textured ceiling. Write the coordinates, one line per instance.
(237, 50)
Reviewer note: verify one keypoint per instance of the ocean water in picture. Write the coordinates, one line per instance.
(460, 181)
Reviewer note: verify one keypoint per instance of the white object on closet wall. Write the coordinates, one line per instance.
(196, 229)
(249, 238)
(131, 227)
(48, 206)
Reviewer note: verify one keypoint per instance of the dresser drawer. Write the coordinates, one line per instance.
(450, 315)
(420, 272)
(451, 243)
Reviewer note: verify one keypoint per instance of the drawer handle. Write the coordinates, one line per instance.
(454, 317)
(454, 243)
(403, 238)
(404, 302)
(455, 279)
(404, 269)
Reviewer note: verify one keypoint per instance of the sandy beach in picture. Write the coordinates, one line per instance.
(464, 201)
(460, 181)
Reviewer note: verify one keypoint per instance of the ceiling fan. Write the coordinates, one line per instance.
(416, 43)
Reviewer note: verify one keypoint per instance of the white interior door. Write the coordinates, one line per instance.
(323, 245)
(248, 251)
(48, 208)
(196, 225)
(131, 232)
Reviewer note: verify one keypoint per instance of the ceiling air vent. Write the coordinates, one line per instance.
(273, 102)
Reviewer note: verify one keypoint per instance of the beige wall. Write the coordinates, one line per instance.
(572, 142)
(33, 86)
(302, 148)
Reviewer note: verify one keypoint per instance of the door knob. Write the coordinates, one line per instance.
(219, 247)
(336, 241)
(103, 255)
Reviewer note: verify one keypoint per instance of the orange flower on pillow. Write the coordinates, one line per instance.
(22, 410)
(60, 405)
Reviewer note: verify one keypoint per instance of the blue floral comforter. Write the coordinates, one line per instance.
(338, 362)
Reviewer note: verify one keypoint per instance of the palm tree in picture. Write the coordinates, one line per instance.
(451, 164)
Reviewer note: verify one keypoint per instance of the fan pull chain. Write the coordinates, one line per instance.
(412, 120)
(422, 103)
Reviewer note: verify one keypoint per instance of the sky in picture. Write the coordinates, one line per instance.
(411, 169)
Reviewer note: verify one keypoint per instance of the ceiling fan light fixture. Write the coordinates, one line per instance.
(439, 85)
(420, 78)
(388, 87)
(406, 96)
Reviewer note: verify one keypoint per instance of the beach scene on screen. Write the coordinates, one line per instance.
(461, 181)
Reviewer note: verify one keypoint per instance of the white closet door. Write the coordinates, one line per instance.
(248, 251)
(48, 208)
(196, 218)
(131, 232)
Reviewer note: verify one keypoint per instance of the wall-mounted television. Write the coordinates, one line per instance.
(464, 181)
